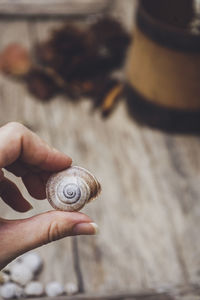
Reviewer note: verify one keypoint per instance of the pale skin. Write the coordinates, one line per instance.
(27, 156)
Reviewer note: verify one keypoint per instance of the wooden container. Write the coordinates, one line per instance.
(163, 69)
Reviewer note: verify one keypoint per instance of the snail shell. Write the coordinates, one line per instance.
(71, 189)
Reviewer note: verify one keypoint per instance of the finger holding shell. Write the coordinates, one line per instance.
(72, 188)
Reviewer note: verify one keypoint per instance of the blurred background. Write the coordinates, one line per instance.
(115, 85)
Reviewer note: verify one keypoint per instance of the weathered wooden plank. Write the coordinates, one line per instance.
(114, 296)
(18, 105)
(181, 196)
(52, 8)
(135, 248)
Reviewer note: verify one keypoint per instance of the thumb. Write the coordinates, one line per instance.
(20, 236)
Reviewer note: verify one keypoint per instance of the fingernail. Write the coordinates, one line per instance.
(85, 228)
(96, 227)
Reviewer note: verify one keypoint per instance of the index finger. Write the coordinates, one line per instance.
(18, 142)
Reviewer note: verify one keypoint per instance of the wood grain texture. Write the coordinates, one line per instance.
(18, 105)
(125, 296)
(52, 8)
(149, 209)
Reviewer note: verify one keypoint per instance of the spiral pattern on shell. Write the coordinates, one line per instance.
(71, 189)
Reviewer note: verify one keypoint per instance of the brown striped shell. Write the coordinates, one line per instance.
(71, 189)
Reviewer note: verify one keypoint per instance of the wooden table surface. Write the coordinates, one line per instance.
(149, 210)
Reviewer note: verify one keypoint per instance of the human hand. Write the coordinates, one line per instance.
(25, 155)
